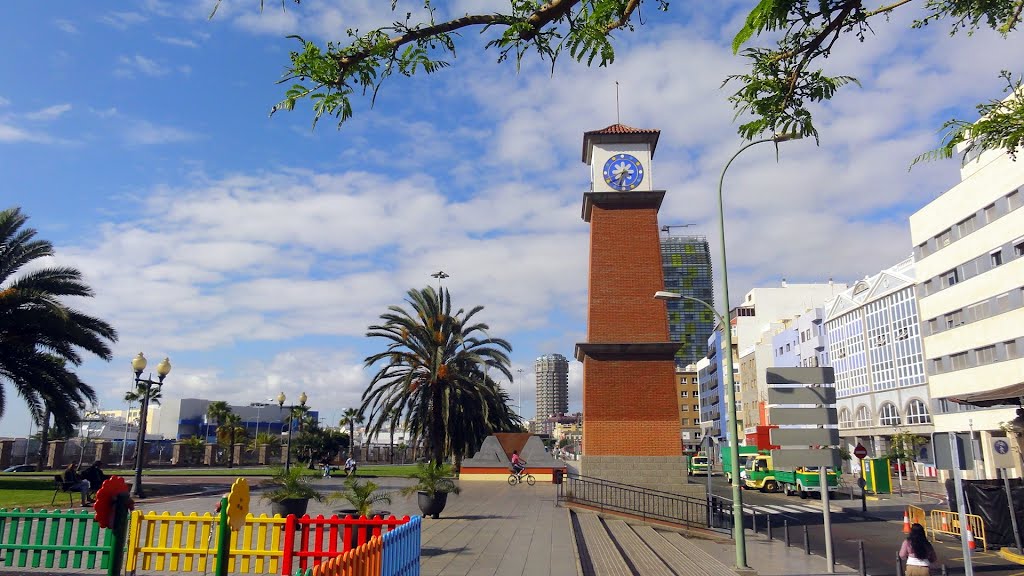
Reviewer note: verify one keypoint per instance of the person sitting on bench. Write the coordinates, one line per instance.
(74, 481)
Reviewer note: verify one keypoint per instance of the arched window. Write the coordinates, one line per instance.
(845, 420)
(917, 412)
(888, 415)
(863, 417)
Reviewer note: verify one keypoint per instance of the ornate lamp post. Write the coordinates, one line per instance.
(291, 412)
(162, 370)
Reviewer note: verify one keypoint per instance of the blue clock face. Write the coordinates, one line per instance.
(623, 172)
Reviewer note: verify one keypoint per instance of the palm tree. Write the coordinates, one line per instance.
(139, 394)
(229, 432)
(217, 412)
(350, 417)
(39, 335)
(434, 373)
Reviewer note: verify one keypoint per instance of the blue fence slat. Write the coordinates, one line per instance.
(401, 556)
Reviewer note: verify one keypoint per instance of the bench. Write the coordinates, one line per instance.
(61, 486)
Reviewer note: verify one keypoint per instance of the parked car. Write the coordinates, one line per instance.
(21, 468)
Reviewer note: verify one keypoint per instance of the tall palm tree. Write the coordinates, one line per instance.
(434, 372)
(218, 412)
(39, 335)
(139, 394)
(230, 432)
(350, 417)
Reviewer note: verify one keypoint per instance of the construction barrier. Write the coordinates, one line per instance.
(70, 539)
(314, 540)
(917, 516)
(946, 522)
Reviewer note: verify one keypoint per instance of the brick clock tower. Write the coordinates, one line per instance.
(631, 426)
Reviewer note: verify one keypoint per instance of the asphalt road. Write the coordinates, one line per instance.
(880, 531)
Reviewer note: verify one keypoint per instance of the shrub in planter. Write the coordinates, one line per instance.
(433, 485)
(363, 497)
(290, 491)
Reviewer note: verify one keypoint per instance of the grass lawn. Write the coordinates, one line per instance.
(33, 493)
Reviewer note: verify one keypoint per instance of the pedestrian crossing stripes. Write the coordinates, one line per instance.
(783, 509)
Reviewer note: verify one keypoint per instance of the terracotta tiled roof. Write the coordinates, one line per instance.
(623, 129)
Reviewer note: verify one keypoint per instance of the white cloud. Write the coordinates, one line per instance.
(178, 41)
(143, 132)
(123, 20)
(49, 113)
(127, 66)
(66, 26)
(4, 101)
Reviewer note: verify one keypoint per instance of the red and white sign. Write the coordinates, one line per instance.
(860, 451)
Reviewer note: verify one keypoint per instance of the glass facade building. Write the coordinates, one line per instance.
(686, 262)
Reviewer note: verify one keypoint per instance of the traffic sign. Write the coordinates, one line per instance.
(943, 453)
(1001, 455)
(860, 451)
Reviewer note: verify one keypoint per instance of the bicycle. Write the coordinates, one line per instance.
(514, 479)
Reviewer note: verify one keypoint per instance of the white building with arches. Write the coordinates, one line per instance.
(874, 344)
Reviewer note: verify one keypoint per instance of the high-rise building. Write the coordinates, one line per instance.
(552, 372)
(969, 252)
(686, 264)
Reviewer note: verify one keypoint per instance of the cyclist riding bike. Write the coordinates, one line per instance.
(518, 464)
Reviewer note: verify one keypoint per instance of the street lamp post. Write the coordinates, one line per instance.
(520, 401)
(730, 389)
(162, 370)
(291, 413)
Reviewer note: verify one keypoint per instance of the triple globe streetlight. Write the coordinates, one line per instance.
(162, 370)
(291, 413)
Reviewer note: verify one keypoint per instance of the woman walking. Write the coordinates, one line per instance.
(918, 552)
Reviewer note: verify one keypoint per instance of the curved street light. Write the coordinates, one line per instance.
(162, 370)
(730, 390)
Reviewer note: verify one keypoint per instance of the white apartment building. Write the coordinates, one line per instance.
(969, 247)
(875, 347)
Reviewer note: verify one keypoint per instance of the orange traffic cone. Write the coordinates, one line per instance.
(906, 522)
(970, 540)
(945, 523)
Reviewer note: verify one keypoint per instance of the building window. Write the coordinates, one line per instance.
(684, 394)
(1013, 199)
(1011, 349)
(950, 278)
(958, 361)
(986, 355)
(888, 415)
(863, 417)
(996, 258)
(1018, 248)
(917, 413)
(942, 240)
(787, 347)
(954, 319)
(967, 226)
(685, 407)
(990, 213)
(845, 421)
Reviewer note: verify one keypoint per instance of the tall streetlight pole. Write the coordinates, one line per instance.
(730, 389)
(291, 413)
(520, 401)
(440, 275)
(162, 370)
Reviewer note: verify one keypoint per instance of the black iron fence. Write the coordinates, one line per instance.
(644, 503)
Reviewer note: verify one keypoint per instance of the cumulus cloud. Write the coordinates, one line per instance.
(128, 66)
(146, 133)
(49, 113)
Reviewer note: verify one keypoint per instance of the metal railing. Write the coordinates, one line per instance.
(644, 503)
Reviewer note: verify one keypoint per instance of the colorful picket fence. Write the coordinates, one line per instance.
(401, 556)
(179, 543)
(397, 553)
(60, 539)
(310, 541)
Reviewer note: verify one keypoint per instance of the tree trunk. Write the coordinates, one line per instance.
(391, 446)
(44, 439)
(231, 448)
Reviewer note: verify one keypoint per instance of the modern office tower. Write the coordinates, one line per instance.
(552, 372)
(875, 347)
(969, 250)
(686, 263)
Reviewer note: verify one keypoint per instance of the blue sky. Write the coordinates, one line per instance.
(254, 251)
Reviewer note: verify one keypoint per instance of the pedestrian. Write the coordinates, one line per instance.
(350, 466)
(918, 552)
(95, 475)
(74, 481)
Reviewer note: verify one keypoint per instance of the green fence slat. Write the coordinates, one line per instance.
(37, 554)
(94, 540)
(69, 525)
(80, 525)
(26, 539)
(54, 530)
(12, 525)
(108, 547)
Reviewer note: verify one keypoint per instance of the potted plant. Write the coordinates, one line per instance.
(290, 491)
(362, 496)
(433, 485)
